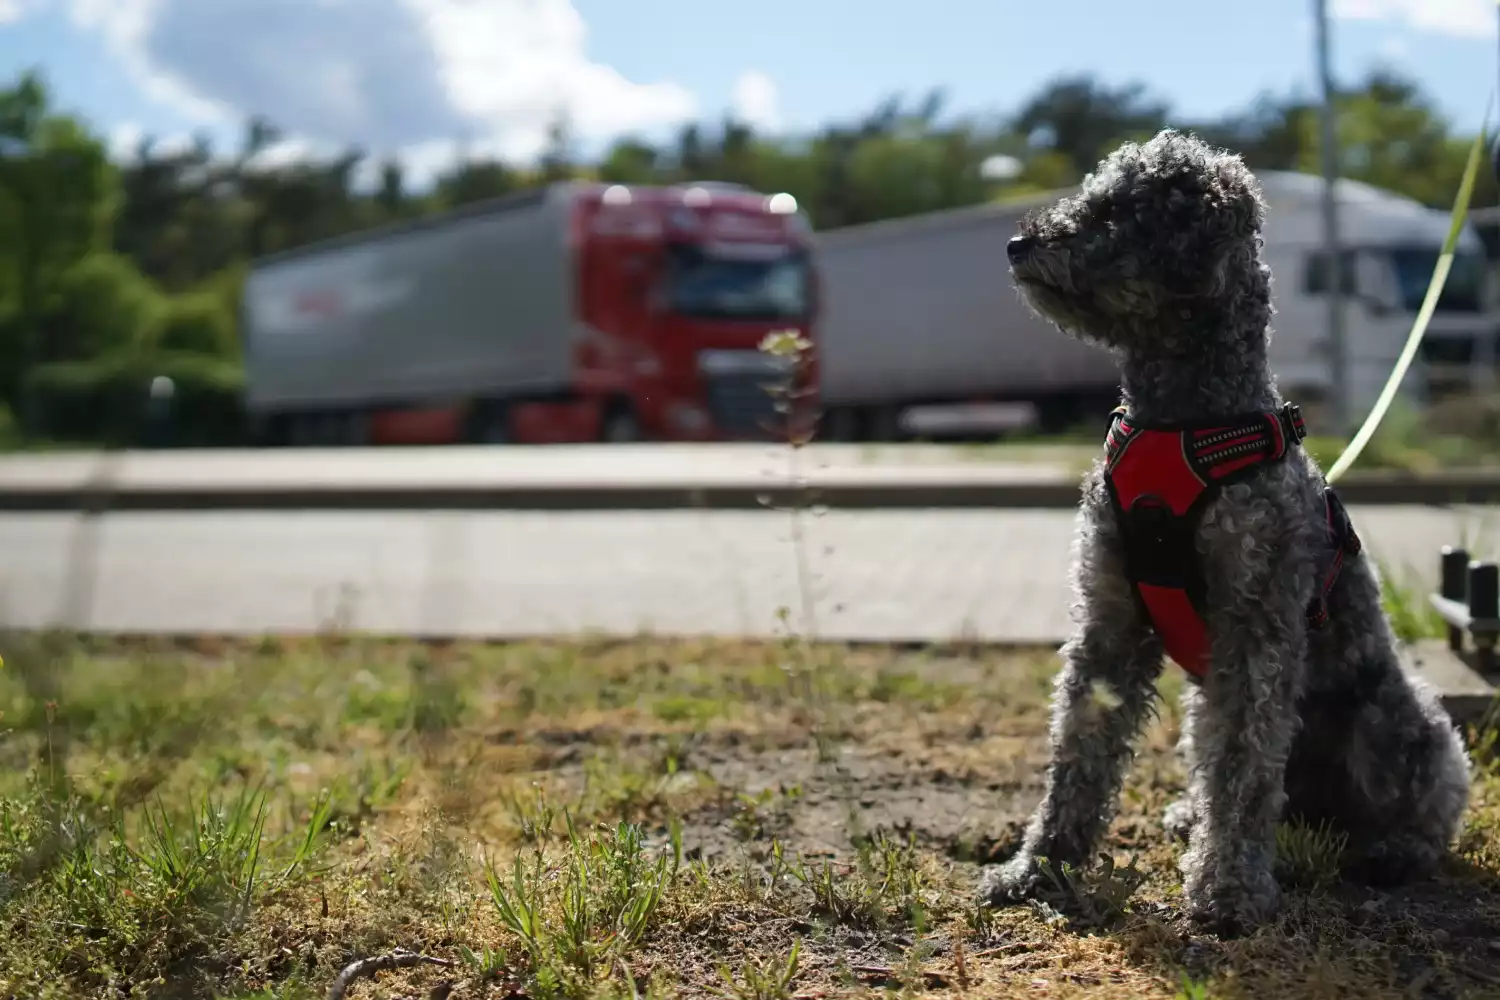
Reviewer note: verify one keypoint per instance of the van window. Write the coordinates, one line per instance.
(1315, 273)
(1461, 292)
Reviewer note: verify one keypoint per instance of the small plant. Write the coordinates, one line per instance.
(577, 918)
(1309, 857)
(979, 917)
(534, 816)
(1095, 896)
(795, 399)
(486, 963)
(755, 815)
(1192, 989)
(885, 882)
(437, 700)
(747, 822)
(769, 981)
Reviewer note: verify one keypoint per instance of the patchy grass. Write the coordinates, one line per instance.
(1411, 614)
(1455, 433)
(238, 820)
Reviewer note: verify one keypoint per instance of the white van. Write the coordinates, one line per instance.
(1390, 246)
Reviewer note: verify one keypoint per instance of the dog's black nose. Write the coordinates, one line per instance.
(1019, 247)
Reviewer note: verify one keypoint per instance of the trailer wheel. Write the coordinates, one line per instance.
(1057, 414)
(491, 424)
(620, 425)
(842, 424)
(883, 423)
(302, 430)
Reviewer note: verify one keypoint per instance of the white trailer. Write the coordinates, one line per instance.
(921, 311)
(472, 303)
(920, 316)
(1390, 245)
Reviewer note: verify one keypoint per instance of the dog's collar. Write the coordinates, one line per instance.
(1289, 417)
(1220, 443)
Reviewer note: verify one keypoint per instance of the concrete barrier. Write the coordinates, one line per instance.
(595, 478)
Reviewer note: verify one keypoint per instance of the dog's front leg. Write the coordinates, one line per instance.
(1102, 697)
(1243, 722)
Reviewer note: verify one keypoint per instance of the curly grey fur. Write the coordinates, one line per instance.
(1158, 259)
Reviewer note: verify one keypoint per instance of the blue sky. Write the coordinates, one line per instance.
(419, 76)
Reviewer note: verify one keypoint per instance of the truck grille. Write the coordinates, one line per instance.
(742, 405)
(739, 385)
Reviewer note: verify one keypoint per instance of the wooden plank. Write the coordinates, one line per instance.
(1466, 694)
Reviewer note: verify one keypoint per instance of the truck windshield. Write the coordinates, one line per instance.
(1414, 268)
(698, 284)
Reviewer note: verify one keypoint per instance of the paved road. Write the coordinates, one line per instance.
(592, 465)
(899, 575)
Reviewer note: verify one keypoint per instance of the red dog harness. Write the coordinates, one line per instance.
(1160, 478)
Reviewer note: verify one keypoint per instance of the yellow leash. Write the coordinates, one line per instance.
(1424, 315)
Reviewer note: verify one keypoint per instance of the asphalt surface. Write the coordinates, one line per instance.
(905, 575)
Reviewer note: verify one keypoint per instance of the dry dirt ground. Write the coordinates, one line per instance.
(641, 818)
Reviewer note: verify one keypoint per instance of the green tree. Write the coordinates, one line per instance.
(630, 161)
(57, 199)
(1083, 119)
(474, 180)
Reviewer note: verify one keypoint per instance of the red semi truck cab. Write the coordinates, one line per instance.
(576, 312)
(677, 288)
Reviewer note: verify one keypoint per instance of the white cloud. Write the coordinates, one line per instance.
(387, 75)
(422, 163)
(14, 10)
(125, 25)
(1464, 18)
(516, 64)
(288, 151)
(124, 141)
(1395, 49)
(755, 100)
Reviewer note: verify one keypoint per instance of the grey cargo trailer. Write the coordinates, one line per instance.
(922, 311)
(473, 302)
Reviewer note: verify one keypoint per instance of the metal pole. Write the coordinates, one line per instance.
(1488, 347)
(1337, 358)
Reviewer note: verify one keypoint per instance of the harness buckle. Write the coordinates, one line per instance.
(1292, 423)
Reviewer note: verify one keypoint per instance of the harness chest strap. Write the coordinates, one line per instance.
(1161, 478)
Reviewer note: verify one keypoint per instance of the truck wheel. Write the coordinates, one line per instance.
(355, 432)
(620, 425)
(884, 423)
(302, 430)
(1057, 415)
(842, 424)
(267, 432)
(487, 422)
(494, 426)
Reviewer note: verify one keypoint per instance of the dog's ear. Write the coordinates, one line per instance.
(1235, 217)
(1238, 198)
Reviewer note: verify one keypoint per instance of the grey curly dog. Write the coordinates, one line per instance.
(1158, 259)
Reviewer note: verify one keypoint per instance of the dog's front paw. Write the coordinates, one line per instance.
(1011, 882)
(1233, 906)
